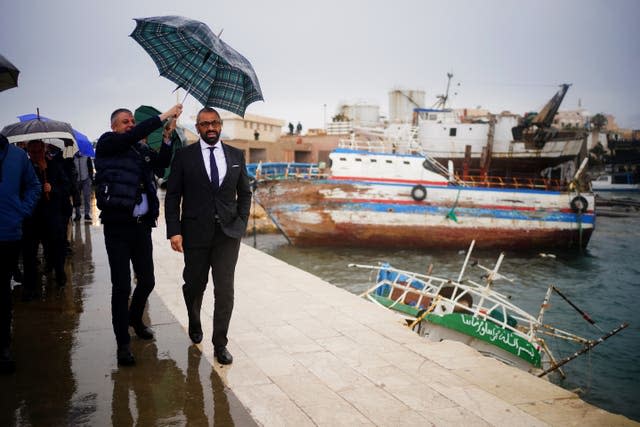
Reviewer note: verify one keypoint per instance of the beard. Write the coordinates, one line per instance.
(210, 139)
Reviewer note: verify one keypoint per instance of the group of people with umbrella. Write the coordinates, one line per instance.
(45, 141)
(36, 185)
(189, 54)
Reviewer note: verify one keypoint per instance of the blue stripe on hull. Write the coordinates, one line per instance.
(462, 212)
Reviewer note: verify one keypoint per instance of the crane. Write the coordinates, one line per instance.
(537, 128)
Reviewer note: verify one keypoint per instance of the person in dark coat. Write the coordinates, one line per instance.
(47, 225)
(126, 195)
(207, 209)
(19, 193)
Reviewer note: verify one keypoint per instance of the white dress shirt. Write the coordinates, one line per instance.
(218, 154)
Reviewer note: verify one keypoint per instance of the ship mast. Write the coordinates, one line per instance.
(441, 103)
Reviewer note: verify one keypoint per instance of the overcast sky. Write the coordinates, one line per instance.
(78, 62)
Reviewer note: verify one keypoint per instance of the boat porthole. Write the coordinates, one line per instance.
(579, 204)
(418, 193)
(426, 164)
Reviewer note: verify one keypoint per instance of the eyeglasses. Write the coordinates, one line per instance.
(212, 123)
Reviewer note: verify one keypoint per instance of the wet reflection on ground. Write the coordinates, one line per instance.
(66, 362)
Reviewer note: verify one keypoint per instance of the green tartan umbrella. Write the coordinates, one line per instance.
(189, 54)
(154, 139)
(145, 112)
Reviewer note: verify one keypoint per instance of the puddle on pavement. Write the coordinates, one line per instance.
(66, 363)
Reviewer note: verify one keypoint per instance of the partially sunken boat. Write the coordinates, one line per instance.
(476, 315)
(390, 194)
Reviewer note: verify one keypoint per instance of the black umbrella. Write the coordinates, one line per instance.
(50, 131)
(8, 74)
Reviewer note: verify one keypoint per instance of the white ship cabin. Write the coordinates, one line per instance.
(446, 133)
(381, 161)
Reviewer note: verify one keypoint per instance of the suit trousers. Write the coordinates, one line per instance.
(9, 251)
(221, 257)
(128, 243)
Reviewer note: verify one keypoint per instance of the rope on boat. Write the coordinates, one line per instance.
(552, 359)
(579, 218)
(429, 310)
(451, 214)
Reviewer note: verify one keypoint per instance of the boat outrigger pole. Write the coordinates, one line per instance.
(585, 349)
(584, 314)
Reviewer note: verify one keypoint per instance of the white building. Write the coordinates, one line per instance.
(235, 127)
(339, 128)
(572, 119)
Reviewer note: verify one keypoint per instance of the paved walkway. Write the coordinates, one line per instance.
(308, 353)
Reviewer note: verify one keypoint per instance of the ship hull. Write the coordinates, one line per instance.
(341, 212)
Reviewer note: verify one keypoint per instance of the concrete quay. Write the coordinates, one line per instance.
(307, 353)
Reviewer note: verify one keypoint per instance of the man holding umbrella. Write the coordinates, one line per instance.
(126, 195)
(208, 194)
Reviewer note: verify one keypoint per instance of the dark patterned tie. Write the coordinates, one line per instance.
(214, 169)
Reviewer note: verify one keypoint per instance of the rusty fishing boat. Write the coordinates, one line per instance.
(389, 193)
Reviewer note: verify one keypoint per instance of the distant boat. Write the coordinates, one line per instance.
(618, 181)
(502, 144)
(387, 194)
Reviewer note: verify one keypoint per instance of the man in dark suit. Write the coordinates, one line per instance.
(207, 209)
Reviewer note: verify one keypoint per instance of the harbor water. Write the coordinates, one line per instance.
(603, 281)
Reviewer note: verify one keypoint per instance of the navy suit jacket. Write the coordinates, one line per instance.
(191, 205)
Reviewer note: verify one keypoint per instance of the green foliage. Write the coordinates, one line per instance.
(599, 121)
(341, 118)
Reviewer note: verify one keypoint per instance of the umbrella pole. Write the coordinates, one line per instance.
(204, 61)
(186, 92)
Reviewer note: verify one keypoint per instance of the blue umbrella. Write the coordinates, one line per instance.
(84, 145)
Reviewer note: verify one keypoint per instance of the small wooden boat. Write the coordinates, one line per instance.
(474, 314)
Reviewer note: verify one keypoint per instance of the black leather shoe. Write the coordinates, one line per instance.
(223, 356)
(193, 311)
(125, 357)
(142, 331)
(195, 333)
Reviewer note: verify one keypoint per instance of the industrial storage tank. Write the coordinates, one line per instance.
(362, 114)
(402, 102)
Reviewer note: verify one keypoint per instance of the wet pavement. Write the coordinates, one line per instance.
(66, 358)
(306, 353)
